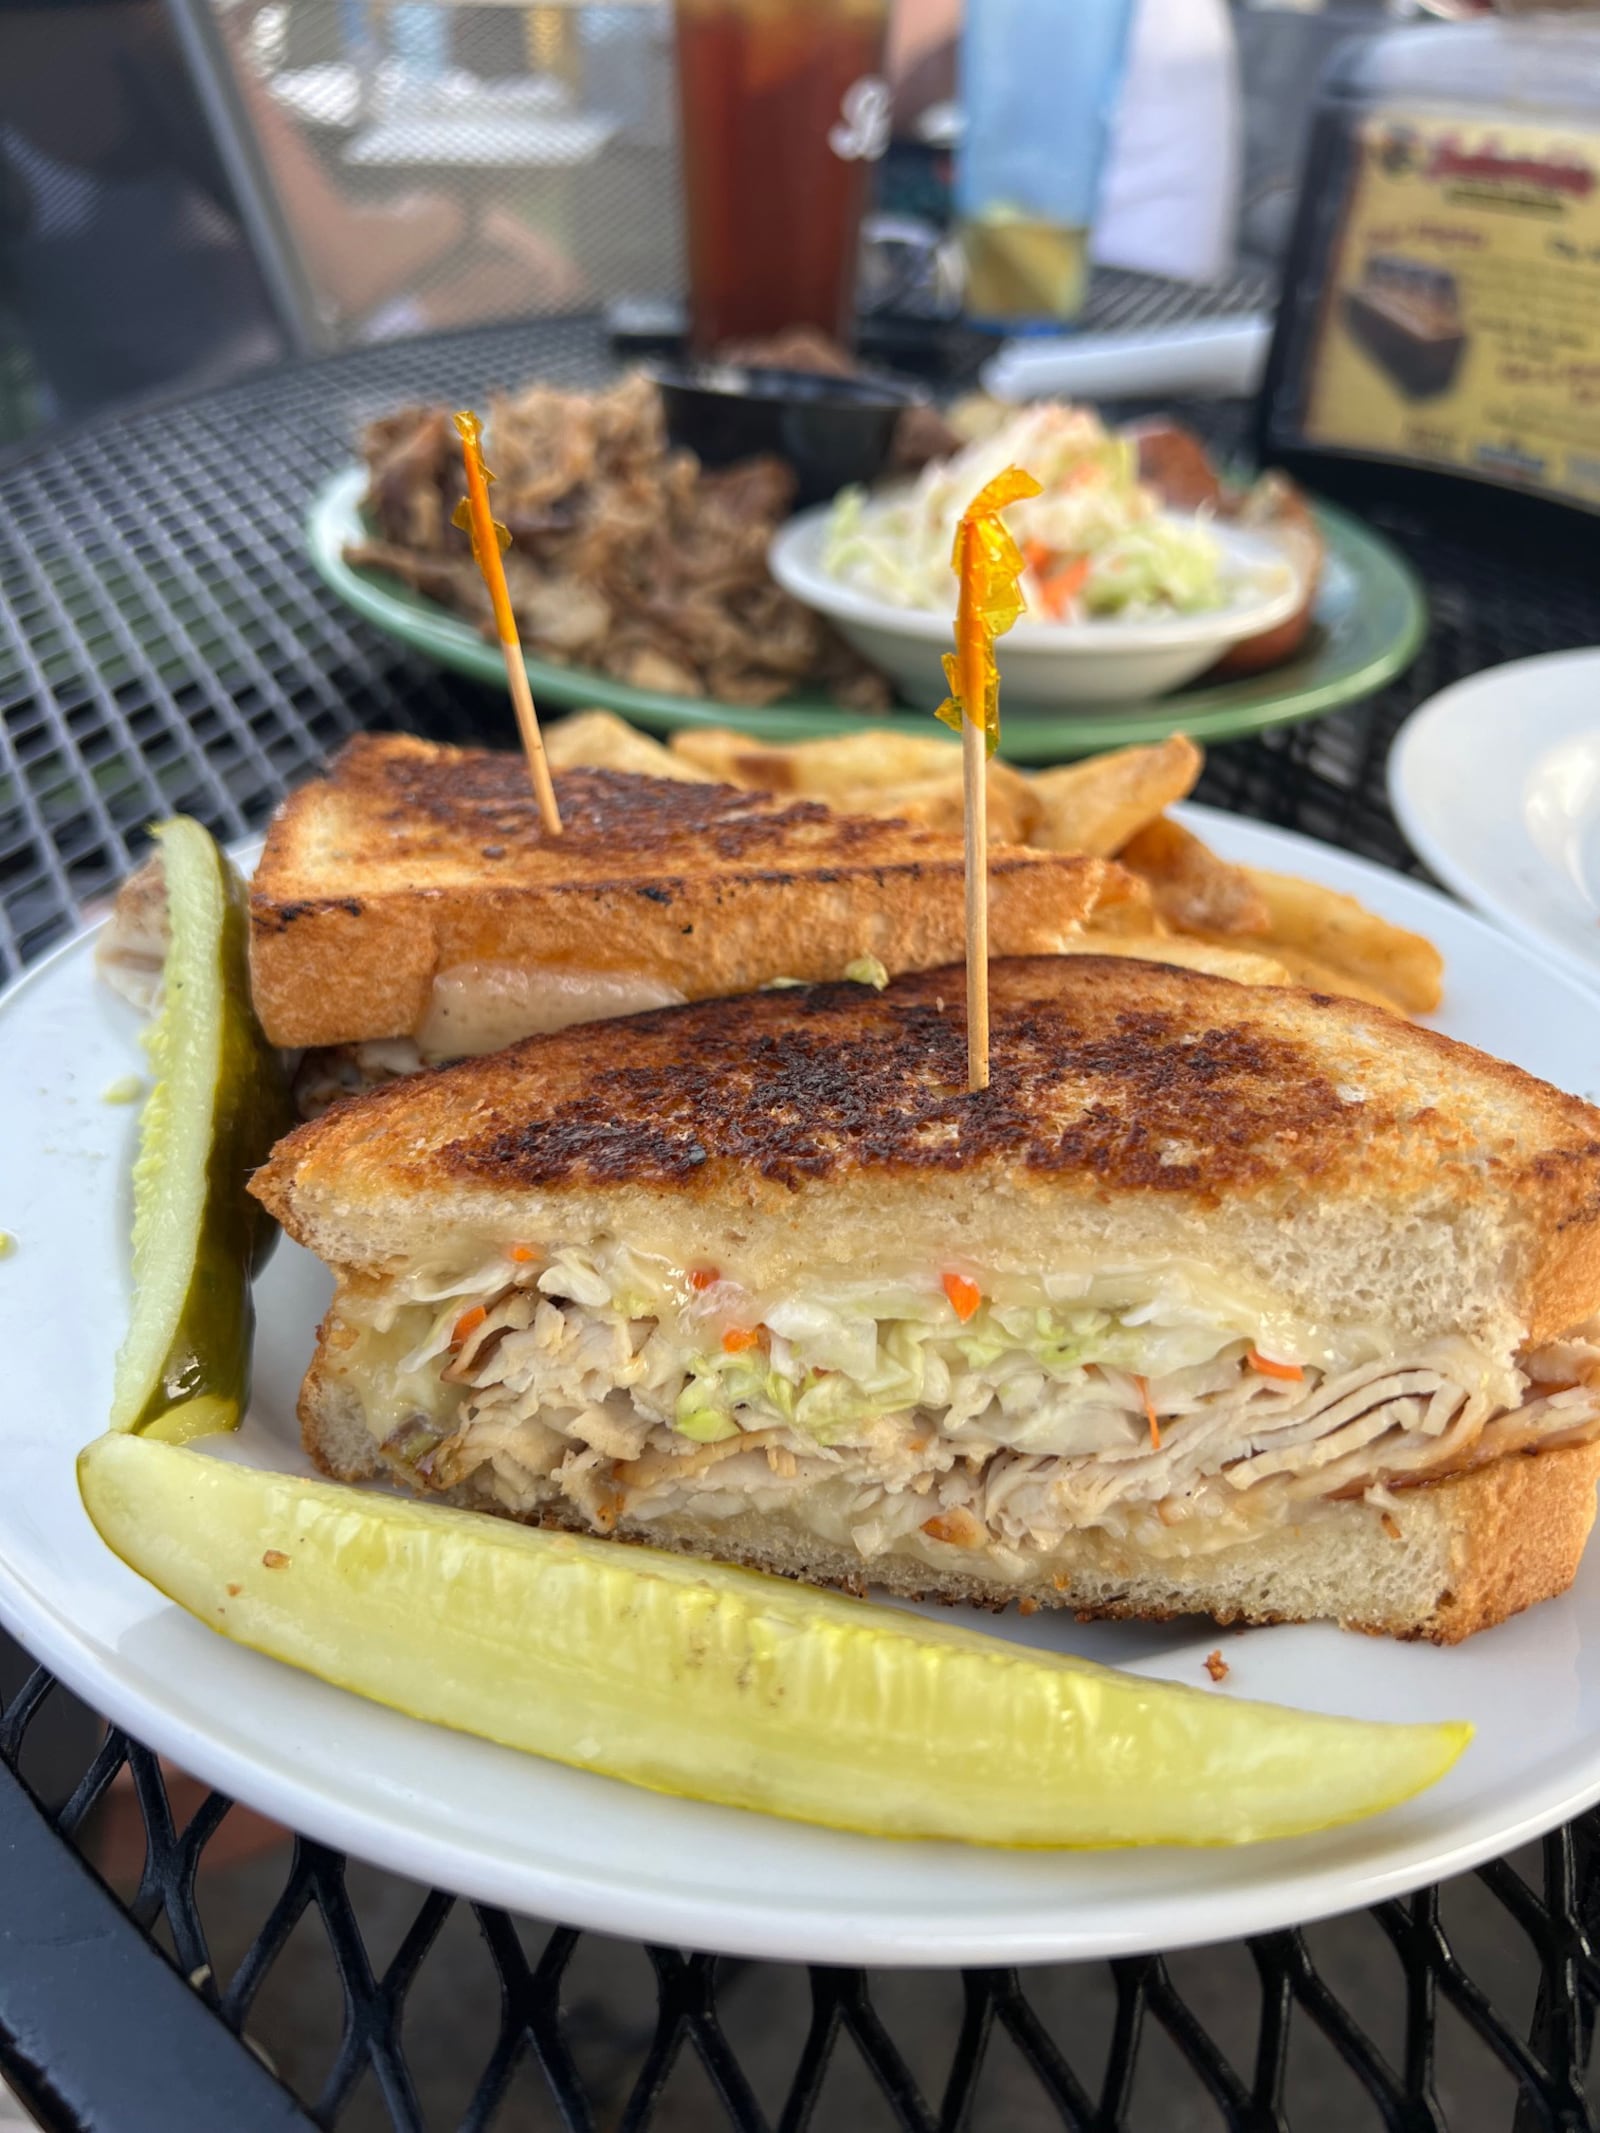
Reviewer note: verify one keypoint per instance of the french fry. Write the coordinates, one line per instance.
(1313, 925)
(1184, 951)
(599, 740)
(1095, 806)
(1123, 905)
(937, 804)
(1305, 970)
(839, 768)
(1194, 889)
(732, 758)
(876, 773)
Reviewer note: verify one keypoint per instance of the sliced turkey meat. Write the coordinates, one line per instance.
(1140, 1399)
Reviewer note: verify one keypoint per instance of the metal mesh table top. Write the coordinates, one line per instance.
(165, 645)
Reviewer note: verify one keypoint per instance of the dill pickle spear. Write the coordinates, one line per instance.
(219, 1102)
(724, 1685)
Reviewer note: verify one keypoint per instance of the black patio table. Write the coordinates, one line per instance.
(164, 645)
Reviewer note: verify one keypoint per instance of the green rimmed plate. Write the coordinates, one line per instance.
(1369, 620)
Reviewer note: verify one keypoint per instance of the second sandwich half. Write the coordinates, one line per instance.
(1219, 1299)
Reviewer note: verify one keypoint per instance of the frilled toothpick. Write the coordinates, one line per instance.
(988, 564)
(489, 537)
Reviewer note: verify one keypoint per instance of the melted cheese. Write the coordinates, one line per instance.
(482, 1007)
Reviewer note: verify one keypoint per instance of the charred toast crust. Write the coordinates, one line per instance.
(468, 813)
(1137, 1077)
(836, 1083)
(409, 859)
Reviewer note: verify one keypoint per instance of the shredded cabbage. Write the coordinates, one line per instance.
(1096, 539)
(831, 1373)
(1043, 1363)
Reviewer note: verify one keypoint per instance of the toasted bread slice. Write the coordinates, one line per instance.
(1347, 1160)
(413, 873)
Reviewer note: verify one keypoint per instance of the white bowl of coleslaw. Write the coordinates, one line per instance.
(1100, 659)
(1124, 600)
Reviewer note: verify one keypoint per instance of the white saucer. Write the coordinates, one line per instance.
(1496, 782)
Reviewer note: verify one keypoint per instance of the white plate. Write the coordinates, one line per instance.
(1496, 781)
(1048, 664)
(562, 1844)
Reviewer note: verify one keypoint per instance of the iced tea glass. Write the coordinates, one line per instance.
(783, 108)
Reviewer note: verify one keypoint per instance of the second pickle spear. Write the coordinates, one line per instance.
(219, 1102)
(725, 1685)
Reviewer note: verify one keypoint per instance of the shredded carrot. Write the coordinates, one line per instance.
(1149, 1413)
(965, 1296)
(703, 1277)
(1291, 1373)
(738, 1339)
(523, 1254)
(958, 1528)
(467, 1324)
(1058, 582)
(1073, 574)
(1063, 585)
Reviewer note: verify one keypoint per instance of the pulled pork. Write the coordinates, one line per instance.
(627, 557)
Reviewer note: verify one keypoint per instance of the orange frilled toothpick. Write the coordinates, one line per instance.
(987, 563)
(489, 537)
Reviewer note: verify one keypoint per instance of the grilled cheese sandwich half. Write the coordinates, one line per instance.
(412, 899)
(1219, 1299)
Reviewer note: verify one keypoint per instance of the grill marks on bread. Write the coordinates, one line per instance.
(833, 1082)
(392, 803)
(469, 795)
(1130, 1077)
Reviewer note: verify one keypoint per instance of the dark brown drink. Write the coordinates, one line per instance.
(782, 109)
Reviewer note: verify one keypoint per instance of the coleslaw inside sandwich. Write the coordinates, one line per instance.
(1219, 1298)
(942, 1408)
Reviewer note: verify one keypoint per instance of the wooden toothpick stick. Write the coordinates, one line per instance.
(988, 564)
(489, 537)
(975, 819)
